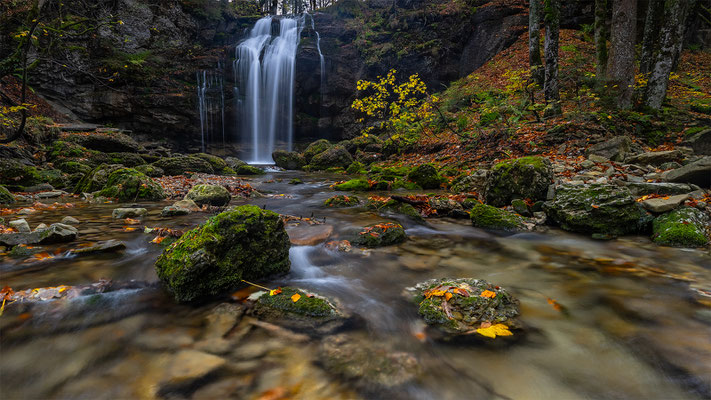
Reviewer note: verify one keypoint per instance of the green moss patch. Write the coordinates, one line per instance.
(683, 227)
(489, 217)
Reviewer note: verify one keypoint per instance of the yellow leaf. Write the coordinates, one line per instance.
(275, 292)
(494, 331)
(488, 293)
(295, 297)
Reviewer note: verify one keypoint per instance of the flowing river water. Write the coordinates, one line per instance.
(623, 319)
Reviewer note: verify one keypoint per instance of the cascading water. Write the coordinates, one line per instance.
(264, 86)
(211, 105)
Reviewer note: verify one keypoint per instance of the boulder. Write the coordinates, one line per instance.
(353, 185)
(446, 206)
(665, 188)
(5, 196)
(213, 195)
(187, 203)
(244, 243)
(288, 159)
(69, 220)
(96, 179)
(56, 233)
(127, 184)
(17, 175)
(683, 227)
(341, 200)
(182, 164)
(462, 306)
(106, 142)
(309, 235)
(234, 162)
(334, 157)
(489, 217)
(218, 164)
(664, 204)
(73, 167)
(107, 246)
(522, 178)
(379, 235)
(50, 195)
(310, 312)
(595, 209)
(150, 170)
(315, 148)
(393, 208)
(655, 157)
(615, 149)
(126, 159)
(698, 173)
(173, 211)
(20, 225)
(247, 169)
(476, 182)
(121, 213)
(700, 142)
(425, 176)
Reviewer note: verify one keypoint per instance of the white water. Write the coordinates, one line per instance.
(211, 105)
(264, 78)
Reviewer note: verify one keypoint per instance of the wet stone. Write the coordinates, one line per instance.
(186, 368)
(107, 246)
(121, 213)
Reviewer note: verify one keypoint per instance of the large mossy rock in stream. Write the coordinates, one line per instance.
(488, 217)
(522, 178)
(16, 175)
(334, 157)
(379, 235)
(218, 164)
(392, 208)
(310, 312)
(462, 306)
(341, 201)
(96, 179)
(315, 148)
(244, 243)
(213, 195)
(5, 196)
(288, 159)
(425, 176)
(127, 184)
(182, 164)
(595, 209)
(353, 185)
(247, 169)
(683, 227)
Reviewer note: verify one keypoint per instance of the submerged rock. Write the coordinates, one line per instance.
(107, 246)
(522, 178)
(425, 176)
(595, 209)
(461, 306)
(683, 227)
(244, 243)
(488, 217)
(379, 235)
(310, 312)
(184, 369)
(213, 195)
(127, 184)
(288, 159)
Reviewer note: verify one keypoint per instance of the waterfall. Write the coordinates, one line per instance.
(211, 104)
(264, 86)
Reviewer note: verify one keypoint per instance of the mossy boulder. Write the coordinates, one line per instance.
(16, 175)
(394, 208)
(310, 312)
(105, 141)
(247, 169)
(315, 148)
(595, 209)
(379, 235)
(150, 170)
(127, 184)
(341, 200)
(489, 217)
(288, 159)
(61, 149)
(461, 306)
(182, 164)
(73, 167)
(425, 176)
(5, 196)
(353, 185)
(474, 182)
(245, 243)
(213, 195)
(522, 178)
(126, 159)
(363, 143)
(219, 165)
(334, 157)
(54, 177)
(683, 227)
(356, 167)
(234, 162)
(96, 179)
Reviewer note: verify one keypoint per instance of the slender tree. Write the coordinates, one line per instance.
(602, 34)
(651, 30)
(550, 86)
(622, 50)
(534, 41)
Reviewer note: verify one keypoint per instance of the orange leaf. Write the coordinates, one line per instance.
(448, 296)
(594, 206)
(488, 294)
(275, 292)
(295, 297)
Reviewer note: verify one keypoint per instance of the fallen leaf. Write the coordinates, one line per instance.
(295, 297)
(494, 331)
(488, 294)
(275, 292)
(448, 296)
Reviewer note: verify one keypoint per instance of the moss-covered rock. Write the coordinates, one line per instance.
(334, 157)
(356, 167)
(370, 143)
(310, 312)
(341, 200)
(394, 208)
(683, 227)
(315, 148)
(247, 169)
(470, 303)
(245, 243)
(96, 179)
(126, 159)
(105, 141)
(213, 195)
(219, 165)
(150, 170)
(127, 184)
(234, 162)
(54, 177)
(288, 159)
(489, 217)
(425, 176)
(16, 175)
(595, 209)
(353, 185)
(73, 167)
(474, 182)
(522, 178)
(379, 235)
(5, 196)
(61, 149)
(182, 164)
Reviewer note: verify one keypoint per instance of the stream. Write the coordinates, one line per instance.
(622, 319)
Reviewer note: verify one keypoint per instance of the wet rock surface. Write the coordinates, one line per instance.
(299, 310)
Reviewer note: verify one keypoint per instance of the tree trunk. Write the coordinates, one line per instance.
(602, 34)
(688, 9)
(550, 86)
(534, 41)
(651, 30)
(621, 68)
(670, 37)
